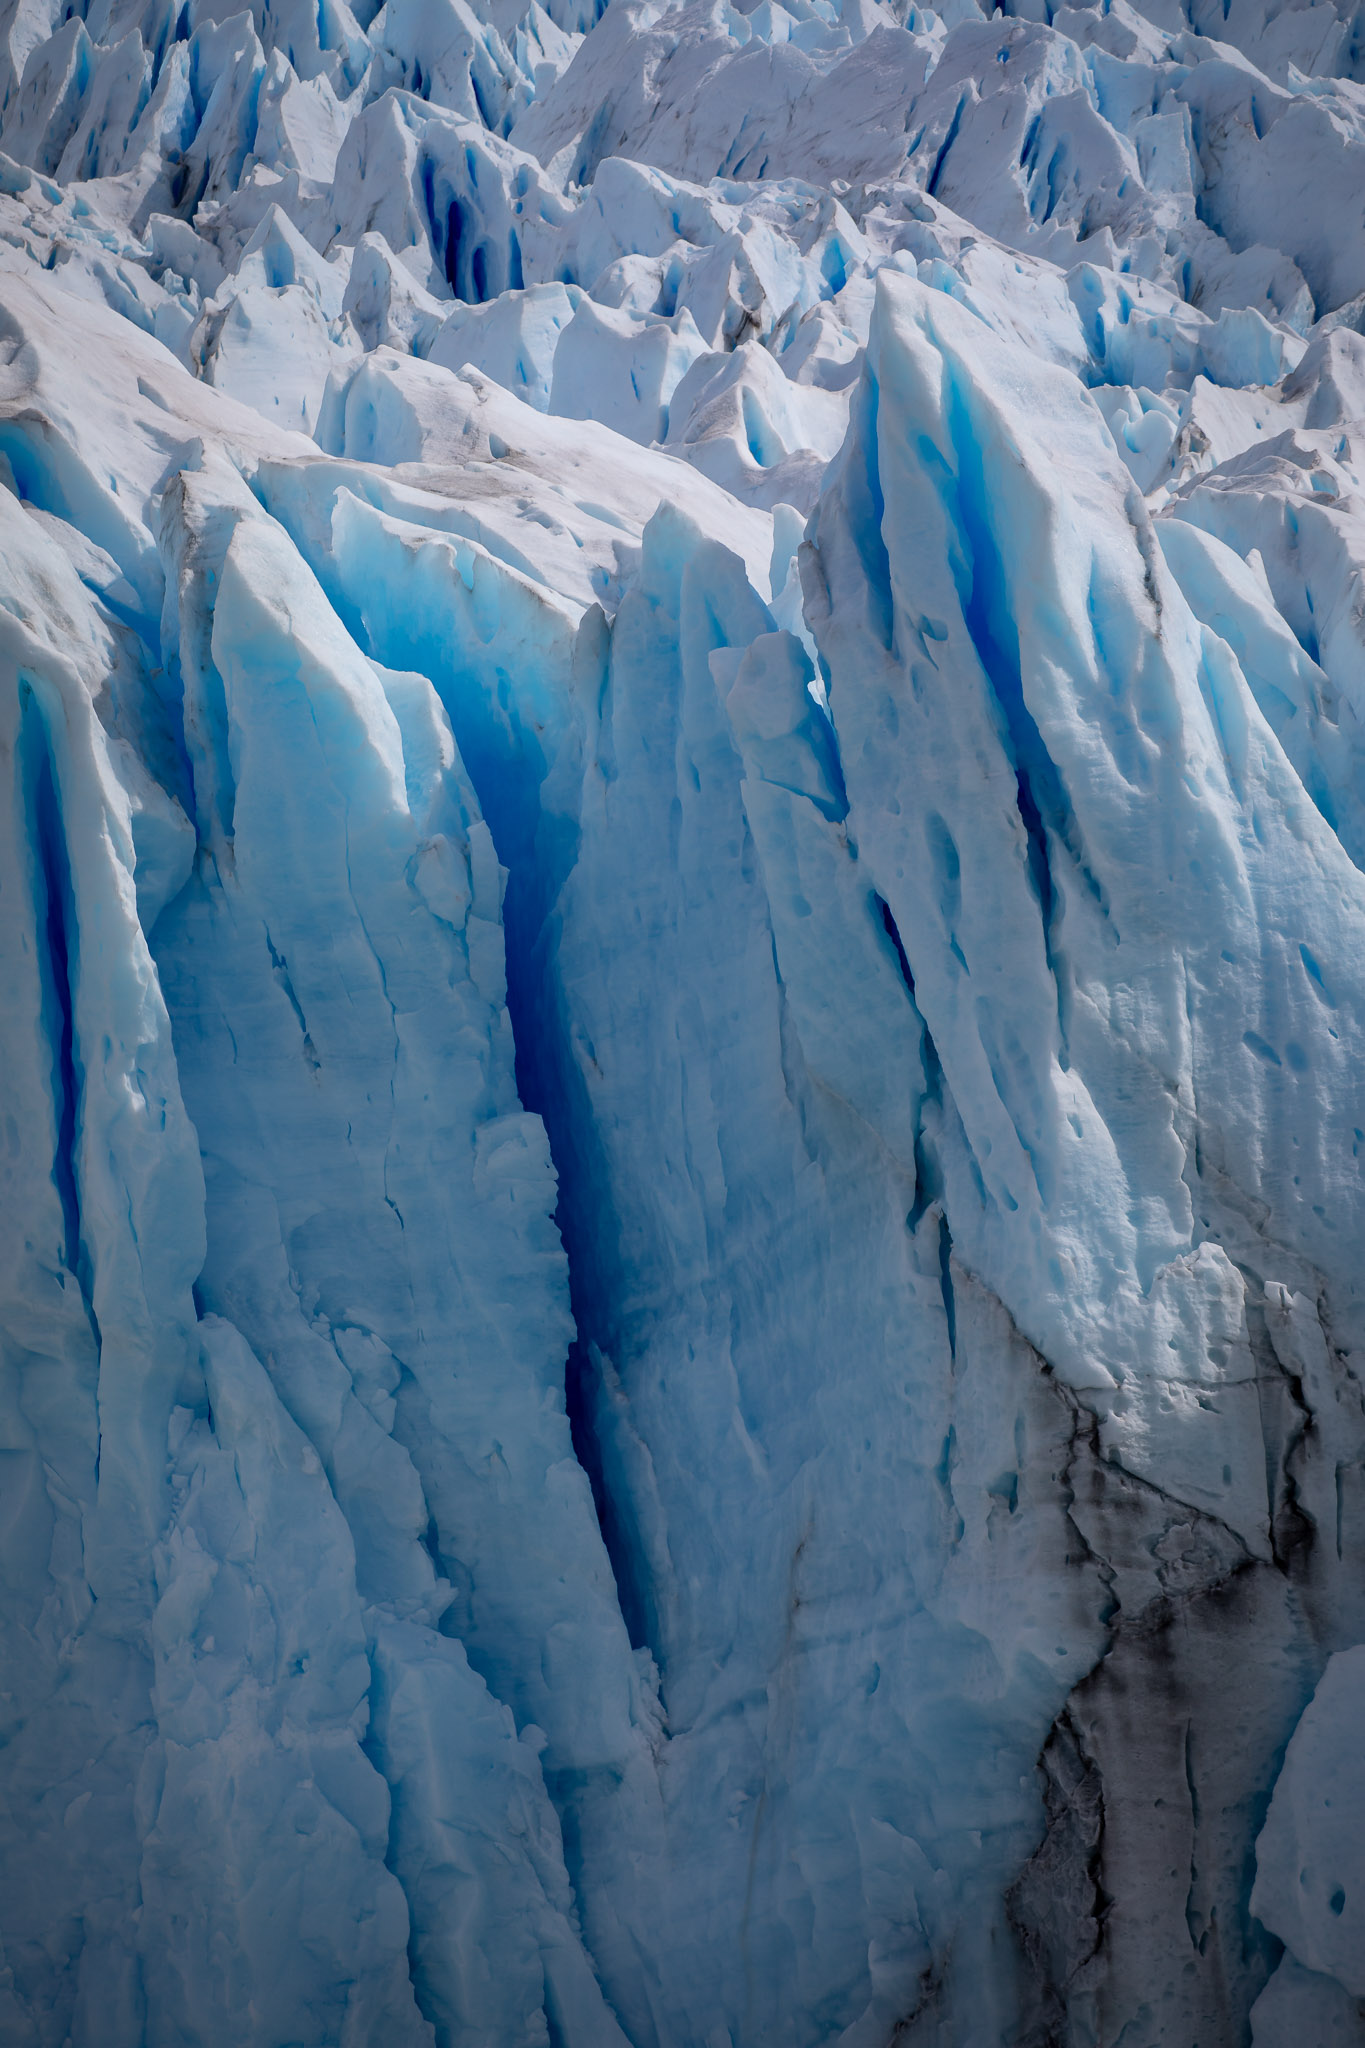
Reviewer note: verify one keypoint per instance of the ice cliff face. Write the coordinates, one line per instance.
(682, 890)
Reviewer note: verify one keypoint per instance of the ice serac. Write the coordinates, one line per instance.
(1028, 713)
(339, 972)
(681, 1339)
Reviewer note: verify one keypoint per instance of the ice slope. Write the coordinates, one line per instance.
(682, 902)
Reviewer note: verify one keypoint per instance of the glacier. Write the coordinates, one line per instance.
(682, 885)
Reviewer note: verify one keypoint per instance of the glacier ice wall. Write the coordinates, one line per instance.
(682, 885)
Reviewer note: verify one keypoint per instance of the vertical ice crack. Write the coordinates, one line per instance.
(55, 912)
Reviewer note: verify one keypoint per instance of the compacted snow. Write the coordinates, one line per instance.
(682, 900)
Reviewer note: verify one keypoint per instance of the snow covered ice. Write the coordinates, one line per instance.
(682, 898)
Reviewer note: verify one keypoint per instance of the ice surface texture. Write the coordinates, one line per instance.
(682, 897)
